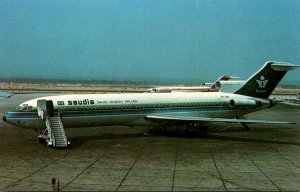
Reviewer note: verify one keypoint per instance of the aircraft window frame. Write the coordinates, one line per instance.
(25, 107)
(60, 103)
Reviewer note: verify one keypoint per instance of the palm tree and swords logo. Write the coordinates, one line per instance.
(262, 84)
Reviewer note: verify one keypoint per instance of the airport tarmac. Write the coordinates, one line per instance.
(226, 158)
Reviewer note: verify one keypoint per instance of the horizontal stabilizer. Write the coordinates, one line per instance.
(263, 82)
(281, 66)
(209, 120)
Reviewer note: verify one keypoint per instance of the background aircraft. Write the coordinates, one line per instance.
(211, 88)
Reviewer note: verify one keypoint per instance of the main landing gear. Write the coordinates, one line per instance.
(196, 126)
(185, 127)
(244, 124)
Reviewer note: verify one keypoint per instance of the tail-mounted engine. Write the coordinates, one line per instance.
(245, 103)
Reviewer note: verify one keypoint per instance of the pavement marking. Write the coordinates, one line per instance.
(264, 173)
(284, 156)
(138, 156)
(33, 172)
(82, 172)
(174, 168)
(223, 182)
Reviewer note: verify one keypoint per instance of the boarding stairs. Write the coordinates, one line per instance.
(59, 138)
(54, 134)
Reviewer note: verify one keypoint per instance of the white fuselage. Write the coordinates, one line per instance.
(84, 110)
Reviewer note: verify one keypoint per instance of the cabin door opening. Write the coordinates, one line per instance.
(50, 108)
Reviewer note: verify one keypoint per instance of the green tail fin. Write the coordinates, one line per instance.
(264, 81)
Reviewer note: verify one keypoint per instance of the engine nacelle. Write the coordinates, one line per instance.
(245, 103)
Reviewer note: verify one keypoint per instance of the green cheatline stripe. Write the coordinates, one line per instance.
(136, 106)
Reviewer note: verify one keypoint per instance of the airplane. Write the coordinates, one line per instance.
(210, 88)
(188, 109)
(289, 100)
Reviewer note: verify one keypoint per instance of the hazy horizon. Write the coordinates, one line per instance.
(172, 40)
(122, 81)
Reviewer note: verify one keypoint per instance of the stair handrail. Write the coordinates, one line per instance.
(62, 127)
(51, 136)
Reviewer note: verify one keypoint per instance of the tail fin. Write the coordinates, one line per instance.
(264, 81)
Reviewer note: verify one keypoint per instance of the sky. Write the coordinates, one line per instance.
(146, 40)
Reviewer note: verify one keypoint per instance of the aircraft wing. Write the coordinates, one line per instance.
(208, 120)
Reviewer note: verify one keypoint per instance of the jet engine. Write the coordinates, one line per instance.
(245, 103)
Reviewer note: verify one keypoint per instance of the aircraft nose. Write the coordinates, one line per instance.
(4, 117)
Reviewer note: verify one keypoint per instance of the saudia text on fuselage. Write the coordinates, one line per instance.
(81, 102)
(92, 102)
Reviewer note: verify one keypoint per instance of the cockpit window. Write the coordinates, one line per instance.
(24, 107)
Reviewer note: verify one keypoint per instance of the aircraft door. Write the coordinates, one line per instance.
(50, 108)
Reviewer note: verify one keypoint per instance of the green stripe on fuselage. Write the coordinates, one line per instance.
(135, 106)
